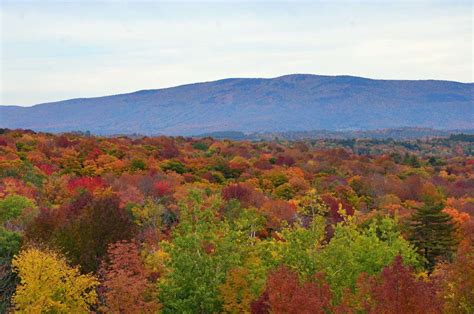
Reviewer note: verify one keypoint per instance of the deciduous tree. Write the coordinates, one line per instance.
(49, 284)
(126, 287)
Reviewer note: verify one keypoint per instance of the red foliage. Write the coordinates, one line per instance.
(63, 142)
(286, 294)
(44, 224)
(77, 206)
(285, 160)
(169, 149)
(46, 169)
(11, 185)
(263, 164)
(278, 211)
(87, 183)
(333, 204)
(126, 288)
(260, 306)
(93, 154)
(398, 291)
(101, 223)
(246, 194)
(162, 188)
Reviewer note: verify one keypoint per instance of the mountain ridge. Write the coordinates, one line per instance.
(294, 102)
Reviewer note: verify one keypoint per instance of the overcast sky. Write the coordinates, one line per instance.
(59, 50)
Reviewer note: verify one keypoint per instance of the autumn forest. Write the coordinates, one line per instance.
(198, 225)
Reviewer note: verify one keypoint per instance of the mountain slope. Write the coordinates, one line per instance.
(288, 103)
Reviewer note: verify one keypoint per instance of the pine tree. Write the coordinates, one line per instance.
(433, 233)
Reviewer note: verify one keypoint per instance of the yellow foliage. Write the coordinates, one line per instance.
(155, 261)
(149, 214)
(236, 292)
(107, 192)
(90, 168)
(48, 284)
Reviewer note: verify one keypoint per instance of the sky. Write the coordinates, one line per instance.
(55, 50)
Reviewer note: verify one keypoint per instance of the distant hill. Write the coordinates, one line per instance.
(296, 102)
(407, 133)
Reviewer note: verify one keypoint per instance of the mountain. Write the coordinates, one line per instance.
(298, 102)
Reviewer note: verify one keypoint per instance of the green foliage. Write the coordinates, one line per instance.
(278, 179)
(200, 146)
(137, 164)
(353, 251)
(412, 160)
(13, 205)
(433, 233)
(148, 215)
(271, 240)
(175, 166)
(11, 208)
(248, 222)
(297, 248)
(285, 191)
(200, 255)
(24, 147)
(223, 167)
(10, 242)
(217, 177)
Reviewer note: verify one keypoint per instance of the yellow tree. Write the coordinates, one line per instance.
(236, 292)
(48, 284)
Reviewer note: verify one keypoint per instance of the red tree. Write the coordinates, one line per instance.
(398, 291)
(245, 193)
(125, 285)
(287, 294)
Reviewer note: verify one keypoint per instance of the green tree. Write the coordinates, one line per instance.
(174, 165)
(12, 219)
(9, 244)
(13, 205)
(354, 250)
(433, 233)
(296, 247)
(201, 253)
(137, 164)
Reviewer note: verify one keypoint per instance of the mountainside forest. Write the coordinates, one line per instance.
(198, 225)
(297, 102)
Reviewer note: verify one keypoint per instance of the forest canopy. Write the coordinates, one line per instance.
(198, 225)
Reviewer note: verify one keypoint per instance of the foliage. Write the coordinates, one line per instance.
(126, 287)
(13, 205)
(200, 255)
(236, 291)
(457, 281)
(433, 233)
(396, 290)
(286, 294)
(8, 283)
(353, 251)
(175, 166)
(84, 236)
(224, 226)
(48, 284)
(9, 244)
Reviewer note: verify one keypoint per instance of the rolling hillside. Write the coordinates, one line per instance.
(289, 103)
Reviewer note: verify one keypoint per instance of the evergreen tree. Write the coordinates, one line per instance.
(433, 233)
